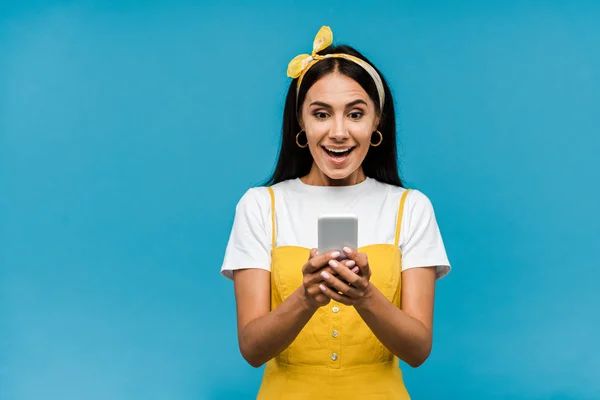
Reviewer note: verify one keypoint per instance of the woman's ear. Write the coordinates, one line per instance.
(300, 123)
(376, 124)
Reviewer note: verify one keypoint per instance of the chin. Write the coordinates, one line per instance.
(338, 174)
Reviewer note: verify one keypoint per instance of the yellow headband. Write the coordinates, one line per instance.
(302, 63)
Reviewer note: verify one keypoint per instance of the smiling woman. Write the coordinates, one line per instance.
(338, 133)
(325, 324)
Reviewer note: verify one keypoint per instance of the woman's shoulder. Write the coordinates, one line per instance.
(253, 199)
(413, 195)
(415, 199)
(260, 196)
(285, 185)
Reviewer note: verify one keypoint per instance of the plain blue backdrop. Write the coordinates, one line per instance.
(130, 129)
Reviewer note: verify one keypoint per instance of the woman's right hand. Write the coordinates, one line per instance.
(312, 271)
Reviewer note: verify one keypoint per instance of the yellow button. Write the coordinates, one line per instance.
(334, 356)
(335, 309)
(334, 333)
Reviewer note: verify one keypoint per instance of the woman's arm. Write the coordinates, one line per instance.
(263, 334)
(406, 332)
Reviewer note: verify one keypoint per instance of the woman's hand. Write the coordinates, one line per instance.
(313, 270)
(350, 282)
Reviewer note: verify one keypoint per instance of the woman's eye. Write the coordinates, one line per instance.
(356, 115)
(321, 115)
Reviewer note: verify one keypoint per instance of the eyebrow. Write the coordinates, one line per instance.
(325, 105)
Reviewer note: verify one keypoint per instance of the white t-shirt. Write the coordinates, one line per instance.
(298, 206)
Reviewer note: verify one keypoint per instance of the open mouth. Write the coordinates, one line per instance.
(338, 154)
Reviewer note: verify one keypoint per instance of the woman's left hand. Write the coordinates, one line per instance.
(350, 286)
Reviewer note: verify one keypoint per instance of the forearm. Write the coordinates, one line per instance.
(406, 337)
(265, 337)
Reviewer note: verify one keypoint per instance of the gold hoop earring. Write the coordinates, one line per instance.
(380, 139)
(302, 146)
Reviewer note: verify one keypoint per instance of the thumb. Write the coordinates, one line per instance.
(313, 253)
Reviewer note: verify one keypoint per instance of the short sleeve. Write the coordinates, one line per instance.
(249, 244)
(421, 241)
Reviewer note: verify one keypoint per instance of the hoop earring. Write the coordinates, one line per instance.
(380, 139)
(302, 146)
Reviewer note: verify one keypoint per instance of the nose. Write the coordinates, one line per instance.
(339, 131)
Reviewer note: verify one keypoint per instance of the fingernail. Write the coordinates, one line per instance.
(347, 250)
(350, 263)
(333, 263)
(322, 287)
(335, 254)
(325, 275)
(355, 270)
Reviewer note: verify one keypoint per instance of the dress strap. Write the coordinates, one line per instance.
(400, 213)
(273, 233)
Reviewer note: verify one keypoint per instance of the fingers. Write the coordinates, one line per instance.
(350, 264)
(351, 278)
(338, 284)
(333, 295)
(360, 259)
(345, 281)
(317, 277)
(316, 295)
(318, 261)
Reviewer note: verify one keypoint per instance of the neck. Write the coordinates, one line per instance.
(316, 177)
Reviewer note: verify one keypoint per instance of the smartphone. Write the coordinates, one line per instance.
(335, 231)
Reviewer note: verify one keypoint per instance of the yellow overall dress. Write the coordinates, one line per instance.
(335, 356)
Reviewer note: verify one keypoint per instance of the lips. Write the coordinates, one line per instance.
(337, 155)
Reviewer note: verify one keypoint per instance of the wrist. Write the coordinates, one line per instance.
(305, 303)
(366, 300)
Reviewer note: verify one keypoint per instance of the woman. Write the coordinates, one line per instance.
(324, 326)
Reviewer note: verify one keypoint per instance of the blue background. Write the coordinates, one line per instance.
(129, 130)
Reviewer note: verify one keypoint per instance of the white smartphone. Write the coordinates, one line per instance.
(335, 231)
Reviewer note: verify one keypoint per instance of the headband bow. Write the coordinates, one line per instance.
(324, 38)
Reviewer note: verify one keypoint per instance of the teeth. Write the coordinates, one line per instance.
(337, 150)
